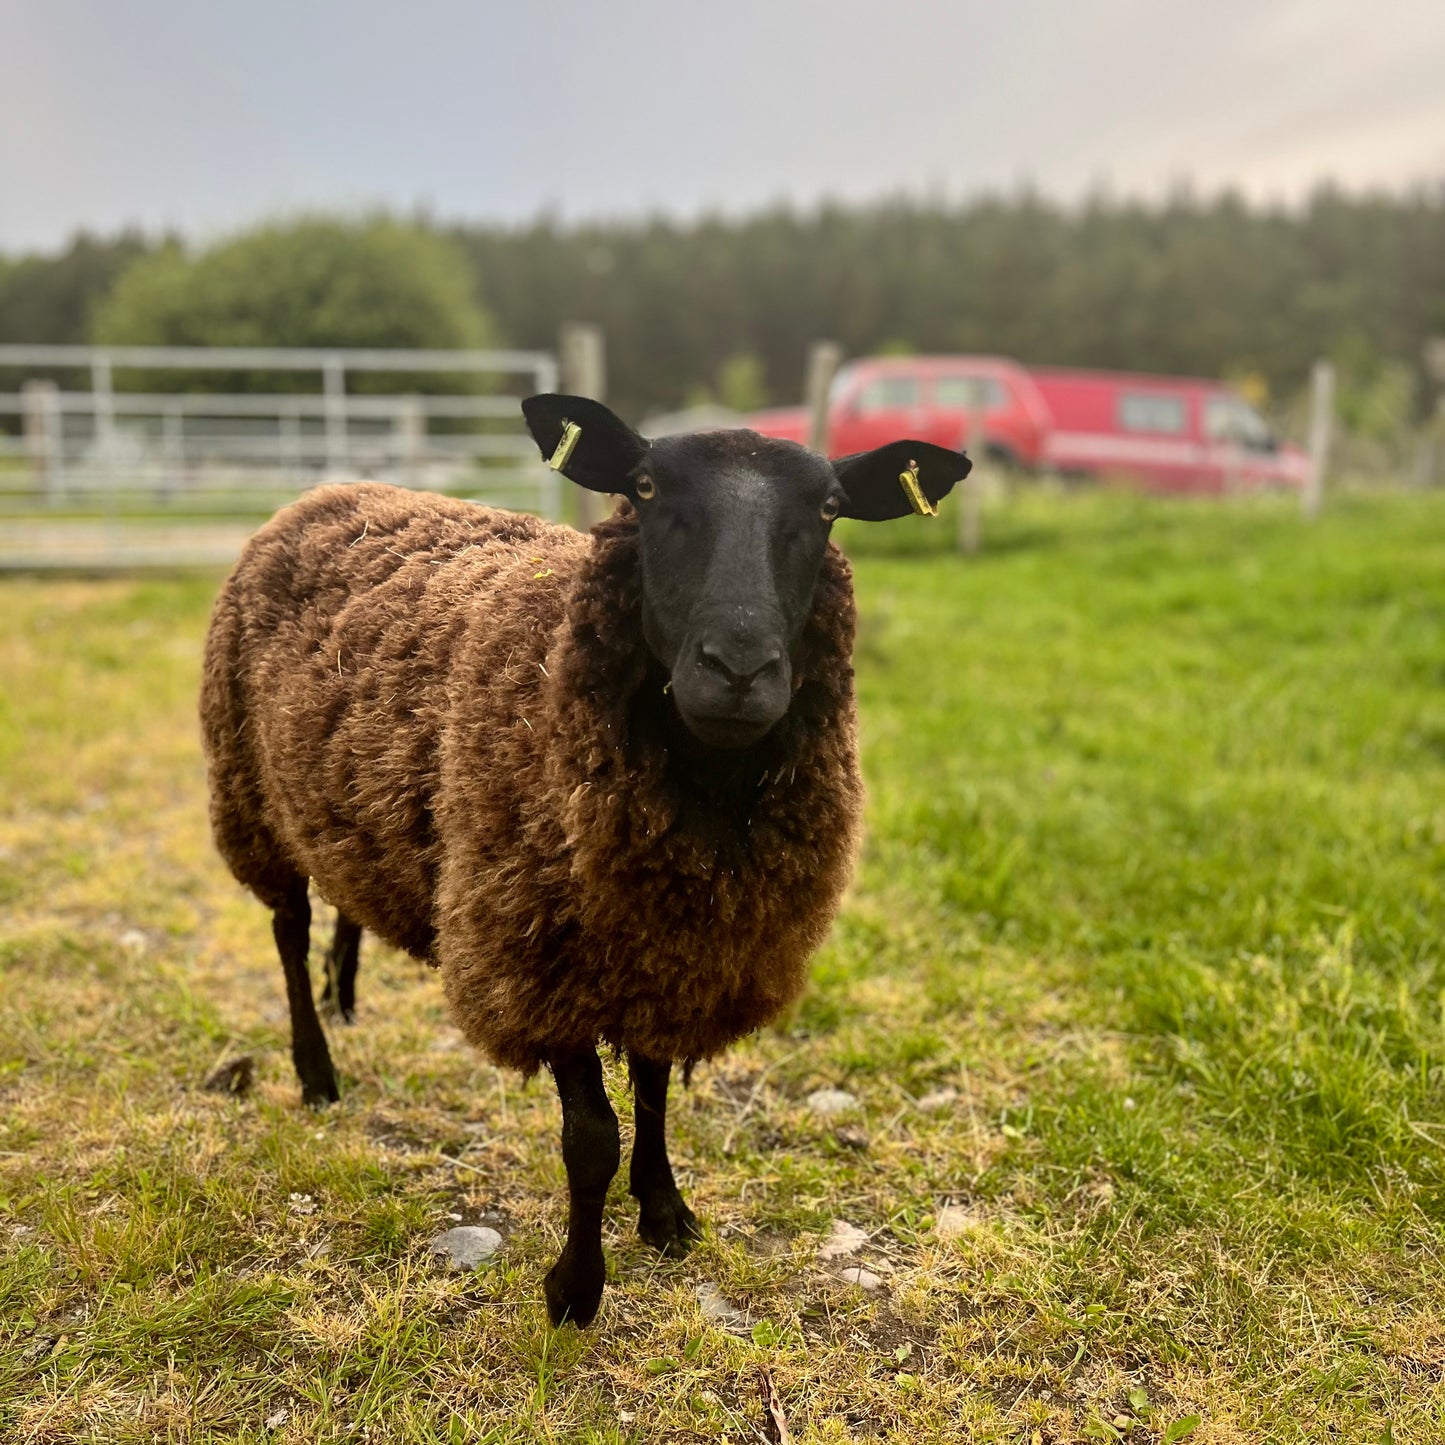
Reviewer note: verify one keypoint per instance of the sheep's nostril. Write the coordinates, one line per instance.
(738, 670)
(714, 661)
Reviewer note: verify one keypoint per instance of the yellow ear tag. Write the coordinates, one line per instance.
(914, 492)
(570, 433)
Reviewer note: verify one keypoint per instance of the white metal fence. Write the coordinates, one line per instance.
(110, 458)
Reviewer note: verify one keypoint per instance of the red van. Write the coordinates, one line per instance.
(1175, 434)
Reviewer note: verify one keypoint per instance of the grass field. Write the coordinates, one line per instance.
(1152, 908)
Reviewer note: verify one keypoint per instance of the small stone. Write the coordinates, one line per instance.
(457, 1218)
(133, 941)
(938, 1099)
(717, 1310)
(863, 1278)
(954, 1220)
(468, 1246)
(232, 1076)
(852, 1139)
(830, 1101)
(845, 1239)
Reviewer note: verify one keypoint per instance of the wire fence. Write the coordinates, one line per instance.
(117, 457)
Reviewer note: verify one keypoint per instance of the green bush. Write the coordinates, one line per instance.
(311, 282)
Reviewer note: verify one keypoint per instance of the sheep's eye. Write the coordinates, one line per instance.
(829, 510)
(646, 488)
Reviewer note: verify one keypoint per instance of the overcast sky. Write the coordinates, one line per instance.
(201, 115)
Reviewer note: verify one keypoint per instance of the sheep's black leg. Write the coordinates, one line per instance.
(341, 966)
(664, 1221)
(591, 1152)
(291, 925)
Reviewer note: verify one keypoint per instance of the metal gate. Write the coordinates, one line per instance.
(131, 456)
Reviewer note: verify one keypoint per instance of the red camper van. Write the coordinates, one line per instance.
(1175, 434)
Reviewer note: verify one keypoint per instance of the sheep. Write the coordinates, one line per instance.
(607, 784)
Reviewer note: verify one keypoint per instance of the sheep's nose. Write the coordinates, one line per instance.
(739, 666)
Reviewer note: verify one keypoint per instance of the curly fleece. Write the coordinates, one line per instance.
(446, 717)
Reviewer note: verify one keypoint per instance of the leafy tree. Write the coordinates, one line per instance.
(312, 282)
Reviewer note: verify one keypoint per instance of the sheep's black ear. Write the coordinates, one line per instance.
(605, 451)
(872, 485)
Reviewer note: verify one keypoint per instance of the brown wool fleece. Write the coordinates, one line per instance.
(446, 717)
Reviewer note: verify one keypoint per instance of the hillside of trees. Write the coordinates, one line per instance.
(726, 307)
(54, 298)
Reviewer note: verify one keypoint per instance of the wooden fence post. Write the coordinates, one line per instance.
(173, 451)
(338, 429)
(1322, 413)
(102, 404)
(970, 503)
(43, 435)
(824, 359)
(288, 441)
(1434, 441)
(409, 425)
(583, 356)
(1438, 439)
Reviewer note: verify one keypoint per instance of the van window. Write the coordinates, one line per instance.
(963, 393)
(1147, 411)
(888, 393)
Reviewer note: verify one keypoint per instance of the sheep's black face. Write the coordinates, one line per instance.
(732, 527)
(732, 531)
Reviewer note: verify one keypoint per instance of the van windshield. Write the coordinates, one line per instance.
(842, 380)
(1228, 419)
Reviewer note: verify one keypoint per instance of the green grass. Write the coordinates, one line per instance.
(1153, 886)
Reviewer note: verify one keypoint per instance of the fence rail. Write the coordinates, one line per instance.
(141, 476)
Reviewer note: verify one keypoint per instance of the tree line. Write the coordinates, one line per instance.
(725, 307)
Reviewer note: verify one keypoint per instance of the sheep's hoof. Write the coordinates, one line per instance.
(320, 1090)
(330, 1006)
(573, 1294)
(668, 1225)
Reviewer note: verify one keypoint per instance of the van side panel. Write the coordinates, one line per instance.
(1142, 429)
